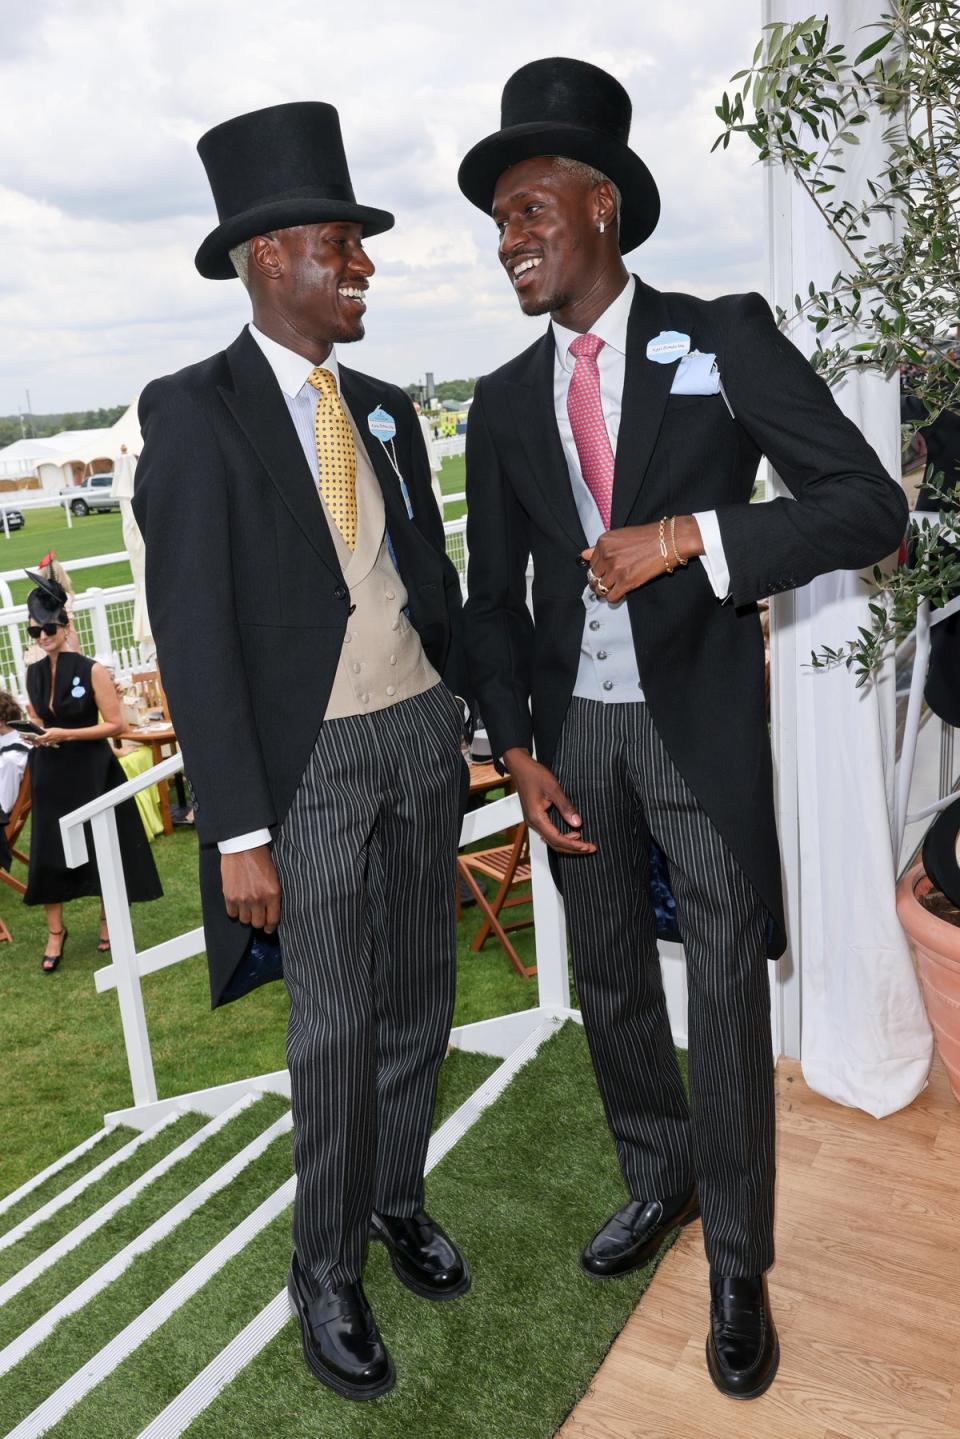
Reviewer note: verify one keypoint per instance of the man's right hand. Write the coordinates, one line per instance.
(538, 790)
(251, 887)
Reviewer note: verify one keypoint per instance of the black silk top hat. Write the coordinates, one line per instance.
(275, 168)
(567, 107)
(46, 603)
(940, 852)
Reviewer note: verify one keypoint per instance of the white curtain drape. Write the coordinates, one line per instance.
(864, 1037)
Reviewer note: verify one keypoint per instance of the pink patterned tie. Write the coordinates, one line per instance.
(588, 425)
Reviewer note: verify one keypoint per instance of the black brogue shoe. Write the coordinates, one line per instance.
(743, 1350)
(341, 1343)
(632, 1235)
(424, 1258)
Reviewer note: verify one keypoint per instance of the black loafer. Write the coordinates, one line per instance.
(743, 1350)
(423, 1257)
(632, 1235)
(341, 1344)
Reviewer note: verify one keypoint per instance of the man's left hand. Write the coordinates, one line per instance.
(623, 560)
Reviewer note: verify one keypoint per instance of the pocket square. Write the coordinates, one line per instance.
(696, 374)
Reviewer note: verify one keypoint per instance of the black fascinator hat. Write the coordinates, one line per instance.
(47, 603)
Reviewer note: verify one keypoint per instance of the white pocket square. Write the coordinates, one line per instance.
(697, 374)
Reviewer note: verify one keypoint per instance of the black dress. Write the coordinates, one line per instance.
(62, 779)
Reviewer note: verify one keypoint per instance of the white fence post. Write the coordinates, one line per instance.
(98, 619)
(123, 949)
(550, 931)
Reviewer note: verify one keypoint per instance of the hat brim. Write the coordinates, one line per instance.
(486, 162)
(940, 852)
(213, 257)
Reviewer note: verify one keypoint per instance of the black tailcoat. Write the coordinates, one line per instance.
(700, 661)
(247, 600)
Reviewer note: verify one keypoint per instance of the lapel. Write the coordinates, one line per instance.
(535, 417)
(257, 404)
(646, 386)
(360, 398)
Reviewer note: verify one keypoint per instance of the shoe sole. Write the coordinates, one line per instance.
(332, 1381)
(712, 1370)
(646, 1253)
(424, 1291)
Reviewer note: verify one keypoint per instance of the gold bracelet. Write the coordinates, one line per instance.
(673, 541)
(663, 547)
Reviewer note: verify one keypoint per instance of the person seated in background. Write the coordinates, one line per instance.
(72, 763)
(14, 753)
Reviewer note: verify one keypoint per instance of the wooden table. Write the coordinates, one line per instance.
(156, 735)
(484, 776)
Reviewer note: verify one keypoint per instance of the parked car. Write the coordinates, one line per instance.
(96, 493)
(15, 520)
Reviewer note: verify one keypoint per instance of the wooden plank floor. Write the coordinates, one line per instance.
(866, 1292)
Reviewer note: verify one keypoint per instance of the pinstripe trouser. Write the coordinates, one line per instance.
(613, 766)
(366, 858)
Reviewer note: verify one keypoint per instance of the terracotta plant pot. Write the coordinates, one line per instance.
(936, 944)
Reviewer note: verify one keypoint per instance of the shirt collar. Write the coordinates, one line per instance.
(291, 369)
(610, 327)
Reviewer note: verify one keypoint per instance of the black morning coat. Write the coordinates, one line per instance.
(701, 662)
(247, 601)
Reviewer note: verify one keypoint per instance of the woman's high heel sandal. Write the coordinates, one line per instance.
(50, 961)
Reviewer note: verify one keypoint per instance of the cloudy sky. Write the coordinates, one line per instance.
(103, 199)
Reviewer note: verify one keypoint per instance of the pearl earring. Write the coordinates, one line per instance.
(601, 227)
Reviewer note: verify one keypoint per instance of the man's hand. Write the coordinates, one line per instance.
(623, 560)
(251, 887)
(538, 789)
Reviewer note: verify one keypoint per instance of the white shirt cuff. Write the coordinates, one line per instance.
(244, 841)
(713, 559)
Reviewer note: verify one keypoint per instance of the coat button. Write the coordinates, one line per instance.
(347, 638)
(364, 699)
(608, 684)
(356, 669)
(393, 659)
(601, 654)
(594, 624)
(390, 595)
(340, 593)
(391, 689)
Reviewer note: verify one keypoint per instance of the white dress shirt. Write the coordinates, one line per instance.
(608, 665)
(291, 371)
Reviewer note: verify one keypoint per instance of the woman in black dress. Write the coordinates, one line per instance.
(71, 764)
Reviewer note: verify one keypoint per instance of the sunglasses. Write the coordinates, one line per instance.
(35, 631)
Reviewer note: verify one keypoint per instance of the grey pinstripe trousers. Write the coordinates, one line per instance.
(614, 767)
(366, 858)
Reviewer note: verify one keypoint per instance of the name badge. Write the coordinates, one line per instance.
(381, 424)
(668, 346)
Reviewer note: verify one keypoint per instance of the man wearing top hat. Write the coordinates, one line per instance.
(619, 451)
(307, 624)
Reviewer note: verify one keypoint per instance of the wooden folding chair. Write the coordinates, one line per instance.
(508, 865)
(18, 818)
(148, 684)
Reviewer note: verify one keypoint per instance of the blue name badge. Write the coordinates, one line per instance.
(668, 346)
(381, 424)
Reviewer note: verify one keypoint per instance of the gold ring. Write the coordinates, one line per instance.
(591, 578)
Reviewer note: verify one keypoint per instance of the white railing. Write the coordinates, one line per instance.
(117, 557)
(103, 619)
(452, 445)
(32, 500)
(499, 1035)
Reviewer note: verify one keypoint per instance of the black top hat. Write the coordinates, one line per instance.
(47, 602)
(567, 107)
(940, 852)
(275, 168)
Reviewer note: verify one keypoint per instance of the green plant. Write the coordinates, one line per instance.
(895, 303)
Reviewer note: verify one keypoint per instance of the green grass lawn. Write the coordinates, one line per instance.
(453, 481)
(46, 530)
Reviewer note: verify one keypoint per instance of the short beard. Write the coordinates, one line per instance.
(345, 337)
(545, 307)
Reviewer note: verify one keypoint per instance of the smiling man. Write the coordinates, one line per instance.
(305, 611)
(620, 452)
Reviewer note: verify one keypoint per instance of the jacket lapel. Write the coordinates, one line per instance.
(258, 406)
(535, 417)
(360, 399)
(646, 387)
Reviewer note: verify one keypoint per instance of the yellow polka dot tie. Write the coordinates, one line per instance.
(336, 456)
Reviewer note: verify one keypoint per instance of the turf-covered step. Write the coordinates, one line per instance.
(124, 1230)
(521, 1191)
(37, 1192)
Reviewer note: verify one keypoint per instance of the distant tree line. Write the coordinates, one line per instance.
(35, 427)
(447, 390)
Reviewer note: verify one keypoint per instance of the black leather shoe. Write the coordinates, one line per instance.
(423, 1257)
(341, 1344)
(634, 1233)
(743, 1350)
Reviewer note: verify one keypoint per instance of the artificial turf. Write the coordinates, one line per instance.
(521, 1192)
(112, 1140)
